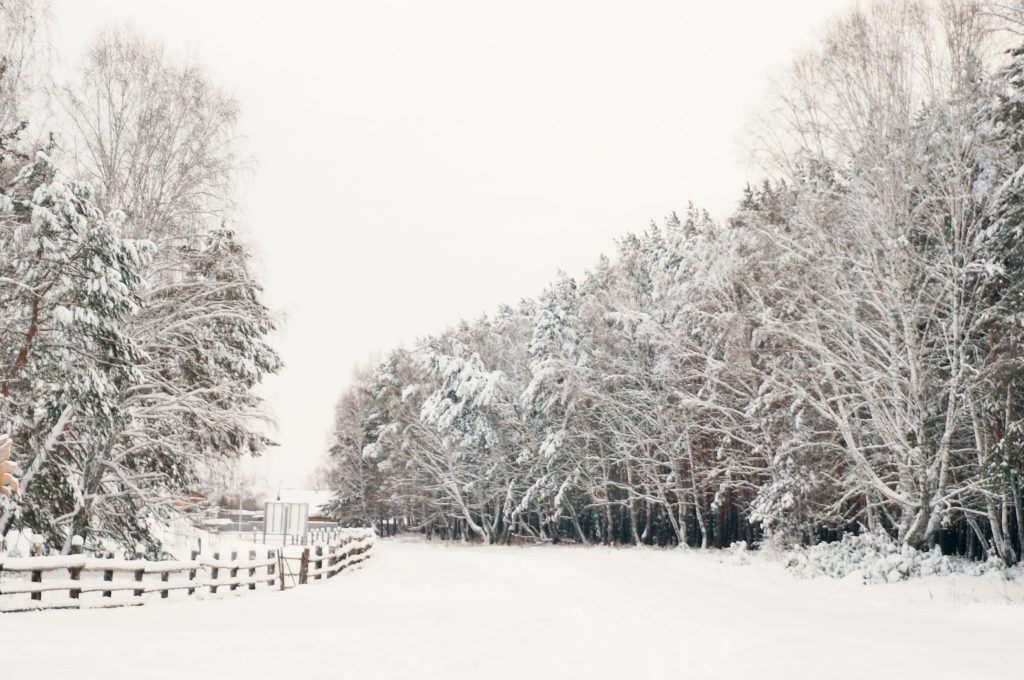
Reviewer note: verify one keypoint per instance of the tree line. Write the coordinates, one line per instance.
(842, 354)
(132, 330)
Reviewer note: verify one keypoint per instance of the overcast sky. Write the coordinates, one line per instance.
(423, 161)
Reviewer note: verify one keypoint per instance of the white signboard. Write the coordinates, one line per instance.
(286, 519)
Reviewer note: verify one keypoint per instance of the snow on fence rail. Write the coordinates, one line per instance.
(77, 581)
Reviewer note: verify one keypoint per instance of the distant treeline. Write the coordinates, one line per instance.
(843, 353)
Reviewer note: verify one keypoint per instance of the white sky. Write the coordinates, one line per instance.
(423, 161)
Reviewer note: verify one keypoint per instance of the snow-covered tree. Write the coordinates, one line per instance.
(842, 354)
(73, 285)
(133, 330)
(160, 140)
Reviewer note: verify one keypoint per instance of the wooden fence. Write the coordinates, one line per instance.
(77, 581)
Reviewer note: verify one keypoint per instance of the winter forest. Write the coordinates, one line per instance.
(132, 331)
(842, 355)
(396, 340)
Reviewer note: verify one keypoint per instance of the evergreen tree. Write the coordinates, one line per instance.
(68, 359)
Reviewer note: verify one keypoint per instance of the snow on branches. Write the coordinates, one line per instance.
(842, 355)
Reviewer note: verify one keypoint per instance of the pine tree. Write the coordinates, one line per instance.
(77, 284)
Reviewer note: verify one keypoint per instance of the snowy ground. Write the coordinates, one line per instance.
(425, 611)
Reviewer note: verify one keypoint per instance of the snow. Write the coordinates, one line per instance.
(874, 557)
(425, 611)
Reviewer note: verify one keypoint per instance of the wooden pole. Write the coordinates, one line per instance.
(234, 569)
(252, 570)
(139, 573)
(108, 575)
(37, 575)
(304, 567)
(192, 572)
(75, 573)
(214, 573)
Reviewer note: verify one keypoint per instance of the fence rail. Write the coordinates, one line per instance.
(112, 582)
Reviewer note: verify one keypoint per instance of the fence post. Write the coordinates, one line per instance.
(76, 572)
(234, 569)
(252, 570)
(192, 572)
(270, 568)
(108, 575)
(165, 576)
(280, 567)
(319, 563)
(139, 573)
(37, 574)
(214, 573)
(304, 567)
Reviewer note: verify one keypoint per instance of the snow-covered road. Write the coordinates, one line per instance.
(425, 611)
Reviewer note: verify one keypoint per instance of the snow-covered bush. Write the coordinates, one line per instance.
(874, 557)
(16, 543)
(739, 552)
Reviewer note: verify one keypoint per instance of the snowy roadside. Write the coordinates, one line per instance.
(781, 569)
(430, 610)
